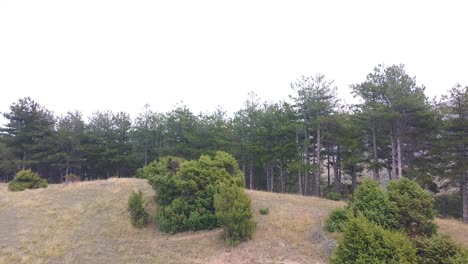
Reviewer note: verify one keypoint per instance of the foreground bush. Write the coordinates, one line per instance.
(439, 249)
(337, 220)
(26, 179)
(375, 205)
(136, 206)
(366, 242)
(234, 213)
(415, 213)
(185, 193)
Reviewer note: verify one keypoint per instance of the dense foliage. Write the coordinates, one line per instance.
(185, 190)
(234, 213)
(366, 242)
(371, 201)
(338, 219)
(136, 206)
(377, 220)
(334, 196)
(26, 179)
(393, 131)
(415, 213)
(439, 250)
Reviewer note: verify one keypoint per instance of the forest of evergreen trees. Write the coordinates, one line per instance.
(310, 143)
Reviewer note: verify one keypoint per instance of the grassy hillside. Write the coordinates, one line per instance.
(87, 222)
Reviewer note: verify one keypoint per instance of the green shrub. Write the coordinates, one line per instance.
(264, 211)
(26, 179)
(334, 196)
(460, 258)
(367, 242)
(438, 249)
(337, 220)
(448, 205)
(136, 206)
(185, 190)
(163, 166)
(375, 205)
(415, 213)
(234, 213)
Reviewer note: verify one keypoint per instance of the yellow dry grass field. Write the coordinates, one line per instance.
(88, 222)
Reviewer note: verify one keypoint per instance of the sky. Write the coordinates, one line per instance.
(118, 55)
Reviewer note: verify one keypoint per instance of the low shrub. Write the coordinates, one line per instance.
(264, 211)
(26, 179)
(438, 249)
(375, 205)
(337, 220)
(334, 196)
(415, 213)
(448, 205)
(366, 242)
(136, 206)
(234, 213)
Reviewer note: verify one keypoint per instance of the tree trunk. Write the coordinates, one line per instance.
(464, 194)
(24, 158)
(328, 172)
(243, 171)
(267, 170)
(251, 183)
(400, 165)
(353, 178)
(335, 171)
(319, 163)
(374, 150)
(282, 177)
(299, 181)
(272, 175)
(394, 165)
(307, 162)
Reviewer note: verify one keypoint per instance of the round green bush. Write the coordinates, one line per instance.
(234, 213)
(438, 250)
(366, 242)
(185, 193)
(26, 179)
(337, 220)
(264, 211)
(136, 206)
(415, 213)
(375, 205)
(333, 196)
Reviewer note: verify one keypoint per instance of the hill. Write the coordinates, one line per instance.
(88, 222)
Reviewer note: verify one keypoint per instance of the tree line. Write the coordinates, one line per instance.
(310, 143)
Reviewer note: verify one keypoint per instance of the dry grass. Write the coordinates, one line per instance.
(454, 228)
(88, 222)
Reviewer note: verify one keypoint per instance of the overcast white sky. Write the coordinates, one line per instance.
(119, 55)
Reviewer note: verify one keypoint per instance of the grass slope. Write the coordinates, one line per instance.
(88, 222)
